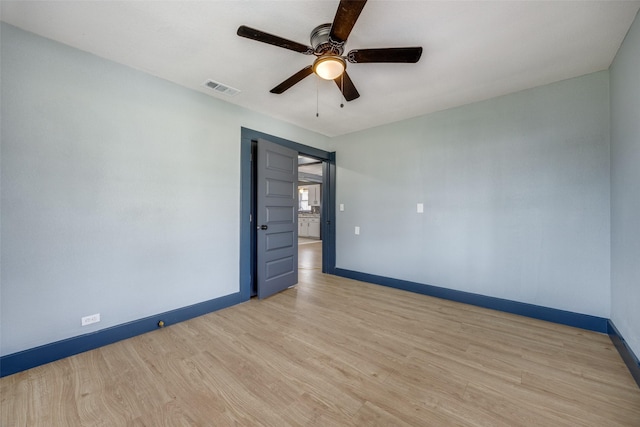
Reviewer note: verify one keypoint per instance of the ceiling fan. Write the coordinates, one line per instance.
(327, 44)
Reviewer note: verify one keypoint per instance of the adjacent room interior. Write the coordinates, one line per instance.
(309, 212)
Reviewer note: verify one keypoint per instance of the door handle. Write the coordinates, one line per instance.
(262, 227)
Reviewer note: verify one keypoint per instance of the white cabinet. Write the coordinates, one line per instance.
(314, 228)
(314, 195)
(309, 227)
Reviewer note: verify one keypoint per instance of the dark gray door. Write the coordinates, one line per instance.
(277, 214)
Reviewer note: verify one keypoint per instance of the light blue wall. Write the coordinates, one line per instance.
(120, 192)
(515, 192)
(625, 189)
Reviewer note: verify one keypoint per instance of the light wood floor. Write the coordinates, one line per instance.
(336, 352)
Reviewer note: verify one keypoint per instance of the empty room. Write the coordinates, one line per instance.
(319, 213)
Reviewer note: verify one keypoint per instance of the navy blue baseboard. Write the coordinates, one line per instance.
(583, 321)
(41, 355)
(23, 360)
(629, 358)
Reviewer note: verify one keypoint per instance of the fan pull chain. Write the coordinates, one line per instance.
(342, 90)
(317, 99)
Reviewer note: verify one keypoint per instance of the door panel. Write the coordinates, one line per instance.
(277, 214)
(279, 240)
(277, 188)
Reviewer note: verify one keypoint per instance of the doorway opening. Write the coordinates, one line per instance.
(248, 206)
(309, 213)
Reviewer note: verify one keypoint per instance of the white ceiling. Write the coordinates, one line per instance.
(473, 50)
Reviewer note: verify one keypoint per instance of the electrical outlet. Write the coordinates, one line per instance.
(87, 320)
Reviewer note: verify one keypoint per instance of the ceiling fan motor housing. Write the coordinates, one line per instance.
(323, 44)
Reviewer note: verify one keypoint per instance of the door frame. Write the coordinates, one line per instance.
(248, 190)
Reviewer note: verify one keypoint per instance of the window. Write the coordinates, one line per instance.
(303, 200)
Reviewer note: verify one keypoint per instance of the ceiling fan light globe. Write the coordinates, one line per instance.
(329, 67)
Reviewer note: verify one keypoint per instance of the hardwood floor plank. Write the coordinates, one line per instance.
(498, 408)
(336, 352)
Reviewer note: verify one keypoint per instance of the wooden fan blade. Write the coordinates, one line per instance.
(347, 87)
(261, 36)
(392, 54)
(292, 80)
(346, 17)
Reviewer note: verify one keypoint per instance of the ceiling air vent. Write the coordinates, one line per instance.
(221, 88)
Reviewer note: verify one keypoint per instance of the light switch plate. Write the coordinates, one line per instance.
(420, 208)
(357, 230)
(341, 207)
